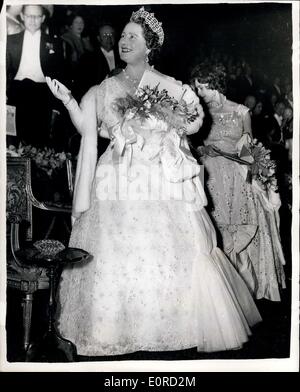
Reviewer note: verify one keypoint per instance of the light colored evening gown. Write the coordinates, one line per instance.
(246, 216)
(157, 280)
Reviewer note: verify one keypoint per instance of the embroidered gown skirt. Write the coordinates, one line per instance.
(157, 281)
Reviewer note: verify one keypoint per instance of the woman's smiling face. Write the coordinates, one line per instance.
(132, 44)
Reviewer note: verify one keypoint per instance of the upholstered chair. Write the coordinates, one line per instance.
(20, 203)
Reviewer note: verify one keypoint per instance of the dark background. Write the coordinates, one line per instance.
(261, 34)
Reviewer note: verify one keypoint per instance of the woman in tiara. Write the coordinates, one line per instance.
(157, 281)
(245, 213)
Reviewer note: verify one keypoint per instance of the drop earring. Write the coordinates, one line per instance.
(147, 58)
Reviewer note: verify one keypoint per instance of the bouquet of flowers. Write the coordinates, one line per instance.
(256, 157)
(263, 167)
(46, 159)
(155, 102)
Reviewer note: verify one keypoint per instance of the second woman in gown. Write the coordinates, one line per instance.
(245, 214)
(157, 281)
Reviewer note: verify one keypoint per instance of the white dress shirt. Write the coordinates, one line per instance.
(110, 57)
(30, 64)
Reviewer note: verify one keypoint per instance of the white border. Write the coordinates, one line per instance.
(250, 365)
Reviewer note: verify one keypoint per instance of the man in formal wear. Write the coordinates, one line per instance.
(275, 88)
(105, 60)
(30, 56)
(274, 123)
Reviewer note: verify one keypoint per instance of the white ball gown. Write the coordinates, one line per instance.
(157, 281)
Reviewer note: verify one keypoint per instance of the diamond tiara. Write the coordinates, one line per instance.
(151, 21)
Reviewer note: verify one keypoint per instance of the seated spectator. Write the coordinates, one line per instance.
(274, 124)
(258, 122)
(250, 102)
(270, 104)
(289, 99)
(287, 87)
(75, 45)
(245, 84)
(287, 124)
(95, 66)
(276, 88)
(263, 87)
(275, 142)
(231, 90)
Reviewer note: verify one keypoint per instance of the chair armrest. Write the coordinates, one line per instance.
(46, 206)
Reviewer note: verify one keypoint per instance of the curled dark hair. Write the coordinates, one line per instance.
(70, 18)
(151, 38)
(213, 75)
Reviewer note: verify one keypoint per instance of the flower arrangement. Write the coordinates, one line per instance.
(256, 157)
(158, 103)
(263, 167)
(46, 159)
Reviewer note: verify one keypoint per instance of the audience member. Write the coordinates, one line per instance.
(75, 45)
(250, 102)
(95, 66)
(245, 84)
(275, 88)
(31, 55)
(287, 124)
(289, 99)
(274, 123)
(258, 122)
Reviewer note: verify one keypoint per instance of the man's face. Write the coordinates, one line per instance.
(250, 102)
(279, 109)
(107, 37)
(33, 18)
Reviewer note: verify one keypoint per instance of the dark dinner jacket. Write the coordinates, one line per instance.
(51, 56)
(93, 69)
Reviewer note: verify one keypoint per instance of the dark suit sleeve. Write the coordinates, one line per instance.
(60, 69)
(52, 59)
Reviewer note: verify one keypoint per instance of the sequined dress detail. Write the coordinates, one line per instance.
(249, 226)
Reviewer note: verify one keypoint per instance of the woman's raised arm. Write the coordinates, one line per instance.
(62, 93)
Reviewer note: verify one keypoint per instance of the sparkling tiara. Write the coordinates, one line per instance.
(151, 21)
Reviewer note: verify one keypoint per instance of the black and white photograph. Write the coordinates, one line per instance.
(150, 186)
